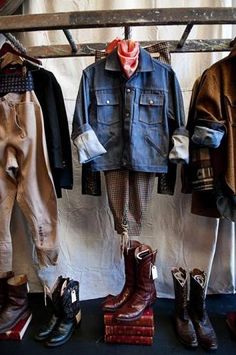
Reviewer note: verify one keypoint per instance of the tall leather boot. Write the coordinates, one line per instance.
(70, 315)
(183, 324)
(54, 307)
(197, 310)
(17, 306)
(112, 303)
(4, 276)
(145, 291)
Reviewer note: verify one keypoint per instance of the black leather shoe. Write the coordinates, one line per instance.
(46, 330)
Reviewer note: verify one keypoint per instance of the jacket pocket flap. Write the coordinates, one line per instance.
(151, 99)
(106, 98)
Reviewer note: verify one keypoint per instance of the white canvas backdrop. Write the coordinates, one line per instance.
(89, 247)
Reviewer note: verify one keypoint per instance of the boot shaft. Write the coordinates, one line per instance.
(55, 294)
(3, 287)
(197, 302)
(145, 260)
(18, 290)
(65, 298)
(130, 263)
(181, 291)
(70, 300)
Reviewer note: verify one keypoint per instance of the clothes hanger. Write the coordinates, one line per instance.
(10, 59)
(8, 48)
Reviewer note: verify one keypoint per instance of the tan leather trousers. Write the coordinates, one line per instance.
(25, 177)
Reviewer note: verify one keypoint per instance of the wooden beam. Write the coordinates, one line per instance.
(88, 49)
(118, 18)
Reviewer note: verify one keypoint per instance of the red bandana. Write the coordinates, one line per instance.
(128, 53)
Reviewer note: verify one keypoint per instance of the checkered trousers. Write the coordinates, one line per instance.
(129, 193)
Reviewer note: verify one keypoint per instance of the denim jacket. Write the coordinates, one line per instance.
(125, 123)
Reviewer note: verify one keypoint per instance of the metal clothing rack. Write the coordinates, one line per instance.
(120, 18)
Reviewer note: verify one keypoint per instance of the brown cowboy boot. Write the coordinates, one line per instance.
(197, 309)
(112, 303)
(183, 324)
(4, 276)
(145, 292)
(17, 306)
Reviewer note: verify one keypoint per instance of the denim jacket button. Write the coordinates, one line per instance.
(127, 114)
(108, 101)
(128, 90)
(151, 102)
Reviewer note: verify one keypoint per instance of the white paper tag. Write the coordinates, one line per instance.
(73, 296)
(154, 272)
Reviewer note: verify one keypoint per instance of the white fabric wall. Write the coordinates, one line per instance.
(89, 245)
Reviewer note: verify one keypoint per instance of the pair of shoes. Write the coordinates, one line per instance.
(192, 323)
(14, 304)
(64, 298)
(139, 290)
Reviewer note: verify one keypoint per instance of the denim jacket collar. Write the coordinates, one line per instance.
(145, 62)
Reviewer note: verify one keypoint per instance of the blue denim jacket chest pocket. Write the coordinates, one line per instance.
(151, 108)
(108, 107)
(130, 117)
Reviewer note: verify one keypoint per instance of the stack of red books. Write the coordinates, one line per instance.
(139, 331)
(17, 332)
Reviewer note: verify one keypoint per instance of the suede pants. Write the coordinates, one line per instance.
(25, 177)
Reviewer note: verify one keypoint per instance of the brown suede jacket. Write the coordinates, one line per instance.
(216, 104)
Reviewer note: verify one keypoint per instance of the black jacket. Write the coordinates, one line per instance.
(49, 94)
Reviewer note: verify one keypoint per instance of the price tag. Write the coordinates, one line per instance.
(154, 272)
(73, 296)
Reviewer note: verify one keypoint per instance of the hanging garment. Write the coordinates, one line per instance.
(16, 83)
(50, 97)
(211, 126)
(129, 193)
(129, 117)
(25, 176)
(91, 180)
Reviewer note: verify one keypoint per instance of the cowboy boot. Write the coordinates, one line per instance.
(145, 292)
(53, 303)
(112, 303)
(183, 324)
(70, 315)
(197, 309)
(4, 276)
(17, 306)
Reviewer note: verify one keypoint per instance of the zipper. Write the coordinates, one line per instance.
(148, 139)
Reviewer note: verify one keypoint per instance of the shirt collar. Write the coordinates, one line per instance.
(145, 61)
